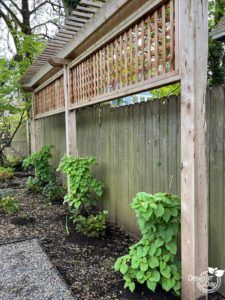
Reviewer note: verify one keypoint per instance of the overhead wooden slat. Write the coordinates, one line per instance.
(81, 14)
(80, 19)
(87, 9)
(90, 3)
(75, 24)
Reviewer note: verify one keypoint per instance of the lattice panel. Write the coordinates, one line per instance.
(144, 52)
(50, 97)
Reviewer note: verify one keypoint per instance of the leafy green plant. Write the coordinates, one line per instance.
(53, 191)
(81, 200)
(82, 182)
(5, 174)
(153, 259)
(40, 161)
(33, 185)
(14, 161)
(9, 205)
(93, 225)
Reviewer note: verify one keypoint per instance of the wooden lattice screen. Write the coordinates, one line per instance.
(50, 98)
(142, 53)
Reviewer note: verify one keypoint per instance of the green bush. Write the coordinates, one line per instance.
(9, 205)
(40, 161)
(14, 161)
(44, 173)
(33, 185)
(92, 225)
(81, 198)
(5, 174)
(53, 191)
(153, 259)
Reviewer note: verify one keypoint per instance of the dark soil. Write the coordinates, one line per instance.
(86, 264)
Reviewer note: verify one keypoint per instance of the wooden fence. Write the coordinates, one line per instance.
(19, 143)
(138, 149)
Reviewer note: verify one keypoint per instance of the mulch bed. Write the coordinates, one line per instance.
(86, 264)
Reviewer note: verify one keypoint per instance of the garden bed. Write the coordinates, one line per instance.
(86, 264)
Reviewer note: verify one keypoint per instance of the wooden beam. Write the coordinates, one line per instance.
(91, 3)
(74, 24)
(81, 20)
(193, 28)
(58, 62)
(86, 9)
(70, 118)
(81, 14)
(32, 124)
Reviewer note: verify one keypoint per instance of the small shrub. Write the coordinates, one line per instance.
(153, 259)
(14, 161)
(93, 225)
(33, 185)
(40, 161)
(5, 174)
(9, 205)
(80, 198)
(53, 191)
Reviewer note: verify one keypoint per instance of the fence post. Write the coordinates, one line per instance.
(193, 39)
(70, 117)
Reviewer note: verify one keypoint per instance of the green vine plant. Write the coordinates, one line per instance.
(153, 259)
(80, 198)
(45, 180)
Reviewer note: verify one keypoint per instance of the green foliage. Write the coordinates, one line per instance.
(166, 91)
(33, 185)
(14, 161)
(40, 161)
(9, 205)
(80, 198)
(45, 179)
(152, 260)
(53, 191)
(82, 182)
(216, 63)
(5, 174)
(93, 225)
(216, 58)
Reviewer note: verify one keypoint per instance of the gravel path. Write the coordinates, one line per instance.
(26, 273)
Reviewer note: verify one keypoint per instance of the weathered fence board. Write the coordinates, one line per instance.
(138, 149)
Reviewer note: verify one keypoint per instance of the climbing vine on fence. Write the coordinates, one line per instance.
(153, 259)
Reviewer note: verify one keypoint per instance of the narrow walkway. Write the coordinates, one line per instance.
(26, 273)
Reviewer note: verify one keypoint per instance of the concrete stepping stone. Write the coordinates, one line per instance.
(26, 274)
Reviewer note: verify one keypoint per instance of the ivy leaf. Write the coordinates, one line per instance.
(123, 268)
(166, 215)
(159, 211)
(172, 247)
(151, 285)
(155, 276)
(152, 249)
(117, 264)
(153, 262)
(132, 287)
(166, 272)
(143, 267)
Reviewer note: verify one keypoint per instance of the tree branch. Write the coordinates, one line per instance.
(17, 21)
(16, 6)
(45, 23)
(39, 6)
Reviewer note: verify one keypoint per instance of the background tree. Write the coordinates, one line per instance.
(216, 62)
